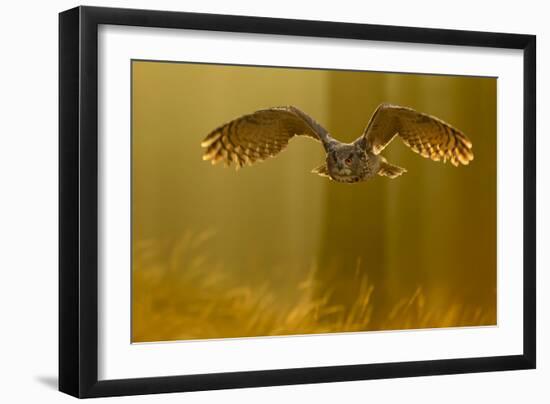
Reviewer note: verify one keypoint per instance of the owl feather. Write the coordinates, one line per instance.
(259, 136)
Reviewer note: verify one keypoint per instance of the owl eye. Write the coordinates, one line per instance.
(348, 160)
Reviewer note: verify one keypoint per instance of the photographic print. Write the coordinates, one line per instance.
(272, 201)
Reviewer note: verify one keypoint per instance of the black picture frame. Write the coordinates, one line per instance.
(78, 201)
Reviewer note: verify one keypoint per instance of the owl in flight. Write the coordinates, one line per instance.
(265, 133)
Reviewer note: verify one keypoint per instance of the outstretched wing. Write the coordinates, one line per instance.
(260, 135)
(425, 134)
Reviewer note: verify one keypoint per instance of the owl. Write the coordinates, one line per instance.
(265, 133)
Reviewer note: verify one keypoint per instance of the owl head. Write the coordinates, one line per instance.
(346, 160)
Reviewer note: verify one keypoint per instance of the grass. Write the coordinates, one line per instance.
(180, 293)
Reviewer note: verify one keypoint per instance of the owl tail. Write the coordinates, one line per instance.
(321, 170)
(389, 170)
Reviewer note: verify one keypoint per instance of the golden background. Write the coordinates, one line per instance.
(273, 249)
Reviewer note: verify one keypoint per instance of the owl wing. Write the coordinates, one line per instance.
(425, 134)
(260, 135)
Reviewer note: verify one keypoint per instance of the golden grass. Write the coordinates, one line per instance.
(180, 293)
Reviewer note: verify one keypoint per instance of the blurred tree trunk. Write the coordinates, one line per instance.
(356, 244)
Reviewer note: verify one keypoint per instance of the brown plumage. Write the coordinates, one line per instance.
(265, 133)
(425, 134)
